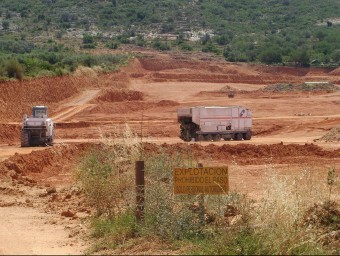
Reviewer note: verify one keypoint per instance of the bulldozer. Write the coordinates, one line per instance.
(37, 129)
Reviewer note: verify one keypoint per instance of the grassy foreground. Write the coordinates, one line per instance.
(297, 215)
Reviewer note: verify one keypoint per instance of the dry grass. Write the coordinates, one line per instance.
(106, 173)
(234, 224)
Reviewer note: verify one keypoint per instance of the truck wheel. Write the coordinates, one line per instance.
(217, 137)
(247, 135)
(200, 137)
(238, 136)
(185, 135)
(50, 141)
(208, 137)
(24, 139)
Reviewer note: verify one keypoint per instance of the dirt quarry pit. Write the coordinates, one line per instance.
(293, 131)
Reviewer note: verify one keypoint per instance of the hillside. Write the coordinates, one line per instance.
(270, 31)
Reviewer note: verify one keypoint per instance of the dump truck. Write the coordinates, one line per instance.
(38, 129)
(213, 123)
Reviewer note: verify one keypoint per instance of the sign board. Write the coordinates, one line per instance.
(204, 180)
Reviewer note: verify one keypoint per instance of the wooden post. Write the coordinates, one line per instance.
(140, 190)
(201, 203)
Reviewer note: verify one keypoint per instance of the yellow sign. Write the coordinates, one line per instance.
(205, 180)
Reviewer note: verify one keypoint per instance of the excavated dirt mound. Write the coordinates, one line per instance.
(291, 90)
(127, 106)
(52, 161)
(251, 154)
(17, 98)
(332, 136)
(9, 133)
(167, 103)
(41, 163)
(156, 64)
(113, 95)
(300, 87)
(170, 69)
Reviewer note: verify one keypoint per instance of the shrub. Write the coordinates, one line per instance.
(88, 39)
(186, 47)
(112, 45)
(158, 45)
(5, 25)
(106, 174)
(209, 47)
(14, 69)
(270, 56)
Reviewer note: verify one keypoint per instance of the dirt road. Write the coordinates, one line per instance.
(26, 231)
(75, 105)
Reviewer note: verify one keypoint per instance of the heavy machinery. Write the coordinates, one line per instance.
(215, 123)
(38, 129)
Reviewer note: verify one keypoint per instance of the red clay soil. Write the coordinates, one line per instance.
(41, 163)
(201, 71)
(17, 98)
(114, 95)
(52, 161)
(9, 133)
(245, 154)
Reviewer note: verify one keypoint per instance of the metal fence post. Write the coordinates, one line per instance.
(140, 190)
(201, 203)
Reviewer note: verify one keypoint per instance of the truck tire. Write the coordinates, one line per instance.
(247, 135)
(24, 139)
(185, 135)
(217, 137)
(50, 141)
(200, 137)
(238, 136)
(208, 137)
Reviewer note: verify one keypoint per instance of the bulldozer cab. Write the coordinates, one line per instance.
(39, 111)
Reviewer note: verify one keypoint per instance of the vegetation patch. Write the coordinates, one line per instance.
(53, 61)
(272, 32)
(231, 224)
(308, 86)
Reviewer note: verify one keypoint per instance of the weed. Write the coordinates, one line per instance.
(106, 173)
(234, 223)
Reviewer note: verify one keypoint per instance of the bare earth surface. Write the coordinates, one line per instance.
(41, 210)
